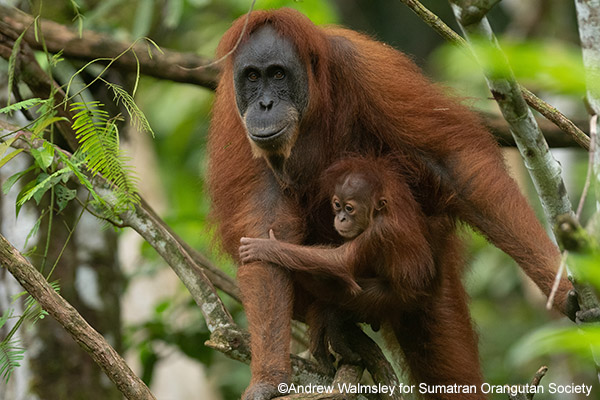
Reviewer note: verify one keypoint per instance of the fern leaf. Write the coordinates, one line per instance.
(99, 143)
(21, 105)
(45, 183)
(138, 119)
(11, 353)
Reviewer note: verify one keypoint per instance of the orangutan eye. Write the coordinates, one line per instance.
(349, 209)
(252, 76)
(336, 205)
(279, 74)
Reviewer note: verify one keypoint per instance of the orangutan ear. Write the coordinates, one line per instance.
(381, 204)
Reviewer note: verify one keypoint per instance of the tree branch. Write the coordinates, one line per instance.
(91, 341)
(172, 65)
(535, 382)
(346, 374)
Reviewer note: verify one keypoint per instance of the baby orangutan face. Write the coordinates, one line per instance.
(354, 205)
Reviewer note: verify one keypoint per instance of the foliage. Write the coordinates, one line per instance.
(99, 143)
(11, 353)
(551, 65)
(582, 342)
(11, 350)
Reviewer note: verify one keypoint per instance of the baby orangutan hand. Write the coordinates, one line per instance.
(257, 249)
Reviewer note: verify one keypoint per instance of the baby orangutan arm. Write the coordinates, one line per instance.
(326, 261)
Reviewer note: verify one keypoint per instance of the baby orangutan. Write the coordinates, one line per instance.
(354, 206)
(378, 276)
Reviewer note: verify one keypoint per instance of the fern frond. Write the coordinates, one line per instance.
(12, 64)
(138, 119)
(11, 353)
(21, 105)
(75, 163)
(99, 143)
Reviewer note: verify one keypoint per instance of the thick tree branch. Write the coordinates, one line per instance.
(176, 66)
(216, 275)
(588, 18)
(381, 370)
(548, 111)
(170, 249)
(91, 341)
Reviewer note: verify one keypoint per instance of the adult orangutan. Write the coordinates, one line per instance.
(293, 99)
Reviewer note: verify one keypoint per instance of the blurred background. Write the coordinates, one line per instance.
(127, 292)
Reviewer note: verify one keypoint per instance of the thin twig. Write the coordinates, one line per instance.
(230, 52)
(557, 280)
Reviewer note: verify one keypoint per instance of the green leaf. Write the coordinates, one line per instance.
(554, 340)
(43, 182)
(44, 123)
(8, 313)
(174, 13)
(41, 188)
(143, 20)
(585, 267)
(9, 157)
(99, 145)
(10, 182)
(63, 196)
(83, 180)
(137, 117)
(43, 155)
(4, 146)
(28, 186)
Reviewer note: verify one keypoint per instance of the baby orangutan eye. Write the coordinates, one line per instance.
(336, 205)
